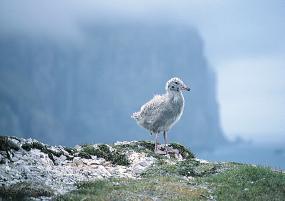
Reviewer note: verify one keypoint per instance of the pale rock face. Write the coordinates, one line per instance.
(62, 174)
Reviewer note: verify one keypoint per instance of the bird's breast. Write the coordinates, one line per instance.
(175, 108)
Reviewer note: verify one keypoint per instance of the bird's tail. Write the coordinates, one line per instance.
(135, 115)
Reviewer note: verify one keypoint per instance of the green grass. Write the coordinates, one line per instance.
(24, 191)
(247, 183)
(164, 181)
(187, 168)
(175, 180)
(164, 188)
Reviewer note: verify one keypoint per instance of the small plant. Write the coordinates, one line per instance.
(147, 145)
(6, 145)
(194, 168)
(103, 151)
(71, 151)
(43, 148)
(185, 153)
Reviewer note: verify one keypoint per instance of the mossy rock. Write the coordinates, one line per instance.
(103, 151)
(43, 148)
(71, 151)
(147, 144)
(185, 153)
(87, 151)
(6, 144)
(120, 159)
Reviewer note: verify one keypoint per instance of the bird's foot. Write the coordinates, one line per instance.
(159, 152)
(166, 149)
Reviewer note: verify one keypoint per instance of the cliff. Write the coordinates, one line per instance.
(87, 89)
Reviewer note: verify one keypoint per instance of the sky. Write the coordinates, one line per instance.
(244, 43)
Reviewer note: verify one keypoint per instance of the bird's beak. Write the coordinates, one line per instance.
(186, 88)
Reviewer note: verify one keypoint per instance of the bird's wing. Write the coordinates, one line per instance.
(152, 109)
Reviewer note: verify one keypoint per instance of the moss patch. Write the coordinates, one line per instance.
(188, 167)
(148, 148)
(103, 151)
(7, 145)
(43, 148)
(186, 153)
(71, 151)
(147, 144)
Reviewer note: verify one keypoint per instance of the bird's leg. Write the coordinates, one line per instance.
(156, 142)
(165, 141)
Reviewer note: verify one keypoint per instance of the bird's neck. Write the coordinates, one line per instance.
(175, 96)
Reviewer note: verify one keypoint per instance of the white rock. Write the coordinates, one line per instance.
(36, 166)
(102, 170)
(77, 161)
(201, 160)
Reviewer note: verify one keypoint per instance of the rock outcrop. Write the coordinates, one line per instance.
(31, 170)
(42, 170)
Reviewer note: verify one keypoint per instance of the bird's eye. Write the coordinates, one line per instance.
(172, 87)
(176, 82)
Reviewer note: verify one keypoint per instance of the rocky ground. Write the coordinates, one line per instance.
(30, 169)
(53, 170)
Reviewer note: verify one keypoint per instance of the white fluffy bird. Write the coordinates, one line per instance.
(163, 111)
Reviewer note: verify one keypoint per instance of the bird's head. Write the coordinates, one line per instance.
(176, 85)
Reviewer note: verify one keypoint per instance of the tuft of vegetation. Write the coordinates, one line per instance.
(141, 147)
(147, 144)
(45, 149)
(247, 182)
(87, 151)
(71, 151)
(103, 151)
(161, 169)
(194, 168)
(7, 145)
(24, 191)
(187, 168)
(185, 153)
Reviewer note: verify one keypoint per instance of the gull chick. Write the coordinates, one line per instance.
(163, 111)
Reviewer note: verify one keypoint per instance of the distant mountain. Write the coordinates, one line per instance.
(85, 92)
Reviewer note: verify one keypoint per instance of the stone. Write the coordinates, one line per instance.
(59, 169)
